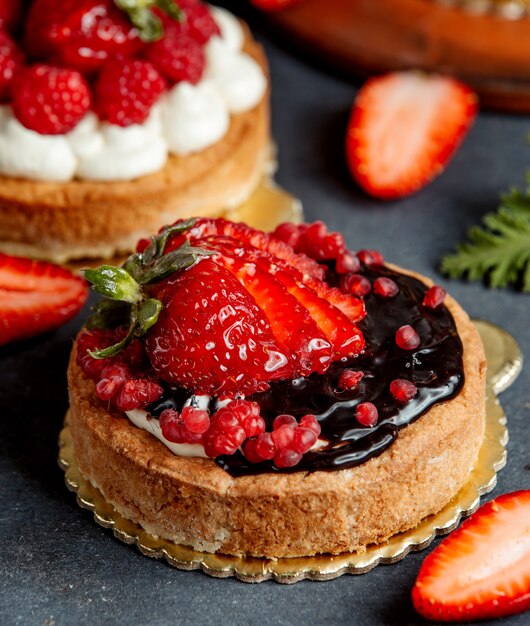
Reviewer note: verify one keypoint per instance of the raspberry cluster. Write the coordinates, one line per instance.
(75, 56)
(124, 380)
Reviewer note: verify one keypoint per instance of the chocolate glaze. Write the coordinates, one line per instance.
(435, 367)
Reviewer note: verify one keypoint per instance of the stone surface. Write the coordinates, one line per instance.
(58, 567)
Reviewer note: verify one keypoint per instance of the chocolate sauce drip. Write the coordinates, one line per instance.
(435, 368)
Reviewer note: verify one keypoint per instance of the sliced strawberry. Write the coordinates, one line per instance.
(482, 570)
(257, 239)
(343, 335)
(36, 297)
(404, 128)
(211, 337)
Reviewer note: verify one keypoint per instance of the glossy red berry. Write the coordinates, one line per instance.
(434, 297)
(196, 420)
(284, 420)
(287, 458)
(403, 390)
(173, 427)
(265, 446)
(290, 233)
(199, 22)
(355, 284)
(303, 440)
(347, 263)
(112, 379)
(178, 56)
(250, 450)
(283, 436)
(407, 338)
(366, 414)
(126, 91)
(370, 257)
(385, 287)
(311, 422)
(137, 394)
(349, 379)
(50, 100)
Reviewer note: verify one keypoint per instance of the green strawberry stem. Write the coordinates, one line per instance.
(128, 301)
(149, 25)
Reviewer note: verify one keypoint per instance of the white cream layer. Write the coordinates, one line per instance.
(187, 119)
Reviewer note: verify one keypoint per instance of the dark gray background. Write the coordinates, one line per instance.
(58, 567)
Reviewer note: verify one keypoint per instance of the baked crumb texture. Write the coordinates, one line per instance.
(194, 502)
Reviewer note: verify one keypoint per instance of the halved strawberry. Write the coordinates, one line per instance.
(404, 128)
(36, 297)
(482, 570)
(212, 337)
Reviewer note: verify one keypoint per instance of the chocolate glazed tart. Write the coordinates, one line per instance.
(364, 486)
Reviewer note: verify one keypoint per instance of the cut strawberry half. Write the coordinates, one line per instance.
(36, 297)
(404, 128)
(482, 570)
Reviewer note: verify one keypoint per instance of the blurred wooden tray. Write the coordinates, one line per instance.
(486, 43)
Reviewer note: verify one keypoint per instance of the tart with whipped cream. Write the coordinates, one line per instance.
(273, 395)
(115, 121)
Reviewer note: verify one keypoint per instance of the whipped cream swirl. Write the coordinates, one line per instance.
(187, 119)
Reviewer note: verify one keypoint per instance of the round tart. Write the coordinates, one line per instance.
(363, 479)
(102, 206)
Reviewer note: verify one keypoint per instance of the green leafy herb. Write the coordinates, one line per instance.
(149, 25)
(128, 300)
(499, 250)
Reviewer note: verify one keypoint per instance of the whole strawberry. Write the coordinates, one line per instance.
(81, 34)
(50, 100)
(11, 61)
(126, 91)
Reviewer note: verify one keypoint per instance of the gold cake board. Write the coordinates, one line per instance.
(504, 364)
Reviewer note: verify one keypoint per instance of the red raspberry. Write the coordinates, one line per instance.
(196, 420)
(126, 90)
(355, 284)
(370, 257)
(311, 422)
(94, 340)
(265, 446)
(284, 420)
(217, 442)
(247, 414)
(173, 427)
(178, 56)
(434, 297)
(112, 379)
(287, 458)
(137, 394)
(11, 62)
(403, 390)
(199, 21)
(50, 100)
(283, 436)
(347, 263)
(349, 379)
(303, 440)
(385, 287)
(366, 414)
(407, 338)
